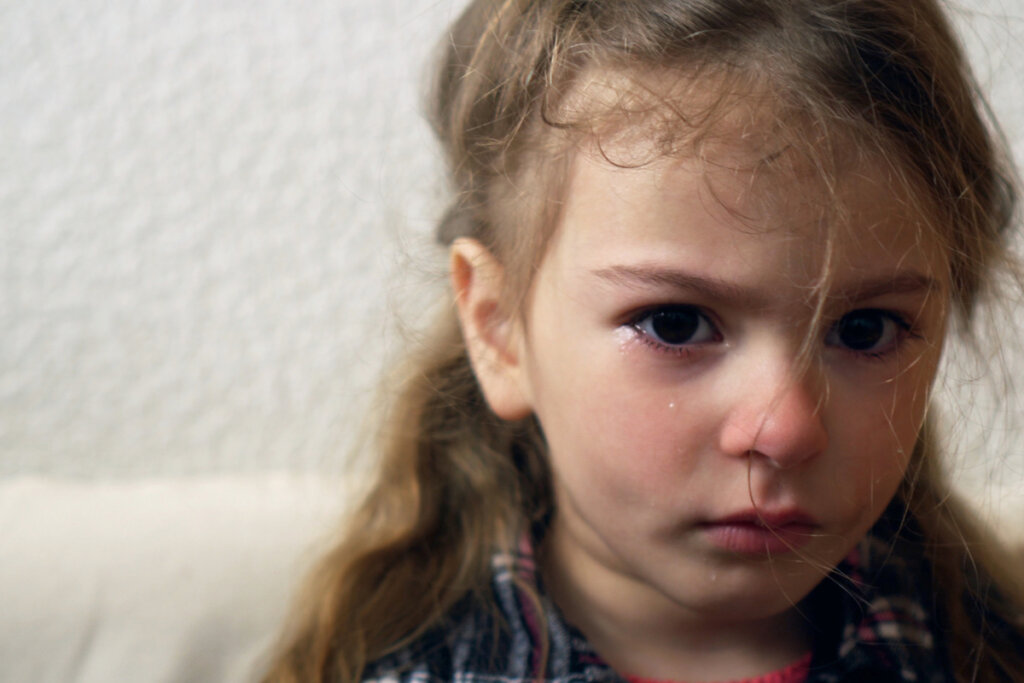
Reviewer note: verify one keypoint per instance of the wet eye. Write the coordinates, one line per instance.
(677, 326)
(868, 330)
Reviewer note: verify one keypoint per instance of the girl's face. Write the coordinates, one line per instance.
(699, 470)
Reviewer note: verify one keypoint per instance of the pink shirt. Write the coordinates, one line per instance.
(794, 673)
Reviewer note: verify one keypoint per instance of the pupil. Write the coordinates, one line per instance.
(675, 326)
(861, 332)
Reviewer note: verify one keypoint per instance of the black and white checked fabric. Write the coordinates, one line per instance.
(870, 619)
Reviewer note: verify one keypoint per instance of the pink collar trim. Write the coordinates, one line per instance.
(794, 673)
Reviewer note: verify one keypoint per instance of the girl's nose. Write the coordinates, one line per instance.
(779, 420)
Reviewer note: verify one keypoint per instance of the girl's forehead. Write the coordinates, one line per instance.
(741, 205)
(654, 154)
(731, 132)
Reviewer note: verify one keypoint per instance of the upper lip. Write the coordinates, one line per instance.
(770, 519)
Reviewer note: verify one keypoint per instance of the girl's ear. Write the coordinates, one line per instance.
(493, 336)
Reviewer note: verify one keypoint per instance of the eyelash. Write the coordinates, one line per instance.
(904, 330)
(685, 350)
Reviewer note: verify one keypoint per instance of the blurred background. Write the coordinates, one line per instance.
(202, 206)
(212, 214)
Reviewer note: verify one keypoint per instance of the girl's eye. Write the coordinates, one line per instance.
(870, 331)
(676, 326)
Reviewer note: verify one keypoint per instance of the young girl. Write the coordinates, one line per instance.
(675, 427)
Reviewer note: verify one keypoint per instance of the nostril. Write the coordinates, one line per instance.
(785, 431)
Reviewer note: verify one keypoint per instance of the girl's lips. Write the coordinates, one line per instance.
(751, 533)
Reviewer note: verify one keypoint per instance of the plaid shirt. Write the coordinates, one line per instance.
(879, 628)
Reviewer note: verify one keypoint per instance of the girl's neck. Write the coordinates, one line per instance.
(640, 635)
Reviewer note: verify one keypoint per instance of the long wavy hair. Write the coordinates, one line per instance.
(454, 482)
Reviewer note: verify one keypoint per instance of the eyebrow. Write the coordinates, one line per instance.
(707, 287)
(902, 282)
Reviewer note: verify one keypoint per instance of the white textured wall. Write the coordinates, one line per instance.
(200, 204)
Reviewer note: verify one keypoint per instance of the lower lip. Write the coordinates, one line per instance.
(753, 539)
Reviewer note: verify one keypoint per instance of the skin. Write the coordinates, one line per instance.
(654, 447)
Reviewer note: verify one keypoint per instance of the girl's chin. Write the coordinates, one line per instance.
(731, 587)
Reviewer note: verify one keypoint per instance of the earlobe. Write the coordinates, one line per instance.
(492, 335)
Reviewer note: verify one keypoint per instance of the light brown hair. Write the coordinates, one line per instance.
(455, 482)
